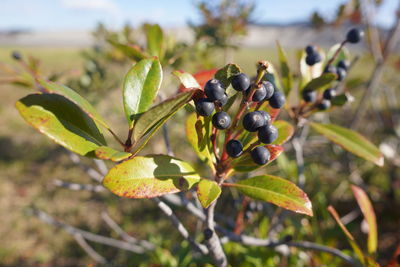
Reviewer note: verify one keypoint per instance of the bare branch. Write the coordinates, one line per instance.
(79, 187)
(101, 166)
(178, 225)
(88, 249)
(87, 235)
(95, 175)
(124, 235)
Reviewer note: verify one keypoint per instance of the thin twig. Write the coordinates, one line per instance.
(88, 249)
(95, 175)
(79, 187)
(87, 235)
(178, 225)
(167, 140)
(101, 166)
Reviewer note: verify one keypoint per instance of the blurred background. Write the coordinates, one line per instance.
(85, 45)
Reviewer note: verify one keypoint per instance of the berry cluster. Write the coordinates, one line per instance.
(254, 94)
(353, 36)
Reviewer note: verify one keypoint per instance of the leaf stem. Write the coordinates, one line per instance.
(336, 53)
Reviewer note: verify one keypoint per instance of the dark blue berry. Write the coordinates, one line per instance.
(341, 73)
(260, 155)
(266, 116)
(309, 95)
(253, 120)
(344, 64)
(240, 82)
(312, 59)
(16, 55)
(234, 148)
(310, 49)
(354, 35)
(222, 102)
(324, 105)
(330, 69)
(259, 94)
(329, 93)
(267, 134)
(221, 120)
(269, 89)
(214, 90)
(204, 107)
(277, 100)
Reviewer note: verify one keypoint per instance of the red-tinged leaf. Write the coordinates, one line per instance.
(187, 80)
(285, 132)
(350, 238)
(368, 211)
(350, 141)
(246, 164)
(150, 176)
(207, 192)
(395, 261)
(275, 190)
(108, 153)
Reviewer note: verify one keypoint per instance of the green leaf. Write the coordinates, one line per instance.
(342, 99)
(225, 74)
(350, 238)
(62, 121)
(207, 192)
(155, 40)
(350, 141)
(287, 78)
(150, 176)
(369, 215)
(141, 85)
(134, 52)
(150, 121)
(320, 82)
(73, 96)
(285, 132)
(108, 153)
(198, 132)
(245, 164)
(187, 80)
(276, 190)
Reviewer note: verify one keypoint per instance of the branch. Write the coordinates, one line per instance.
(124, 235)
(178, 225)
(88, 249)
(79, 187)
(87, 235)
(95, 175)
(212, 240)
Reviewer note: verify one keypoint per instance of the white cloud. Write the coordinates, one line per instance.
(107, 5)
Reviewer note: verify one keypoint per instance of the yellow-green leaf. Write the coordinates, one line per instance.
(276, 190)
(108, 153)
(320, 82)
(62, 121)
(225, 74)
(141, 85)
(287, 78)
(350, 141)
(368, 211)
(155, 40)
(198, 132)
(187, 80)
(207, 192)
(150, 176)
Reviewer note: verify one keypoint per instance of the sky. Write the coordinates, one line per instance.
(85, 14)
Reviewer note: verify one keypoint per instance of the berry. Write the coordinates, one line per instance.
(259, 94)
(234, 148)
(240, 82)
(221, 120)
(329, 93)
(309, 95)
(253, 120)
(312, 59)
(214, 90)
(269, 89)
(260, 155)
(204, 107)
(277, 100)
(310, 49)
(267, 134)
(222, 102)
(330, 69)
(16, 55)
(344, 64)
(266, 116)
(208, 233)
(324, 105)
(341, 73)
(354, 35)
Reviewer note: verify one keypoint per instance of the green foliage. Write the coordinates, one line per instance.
(225, 74)
(287, 78)
(207, 192)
